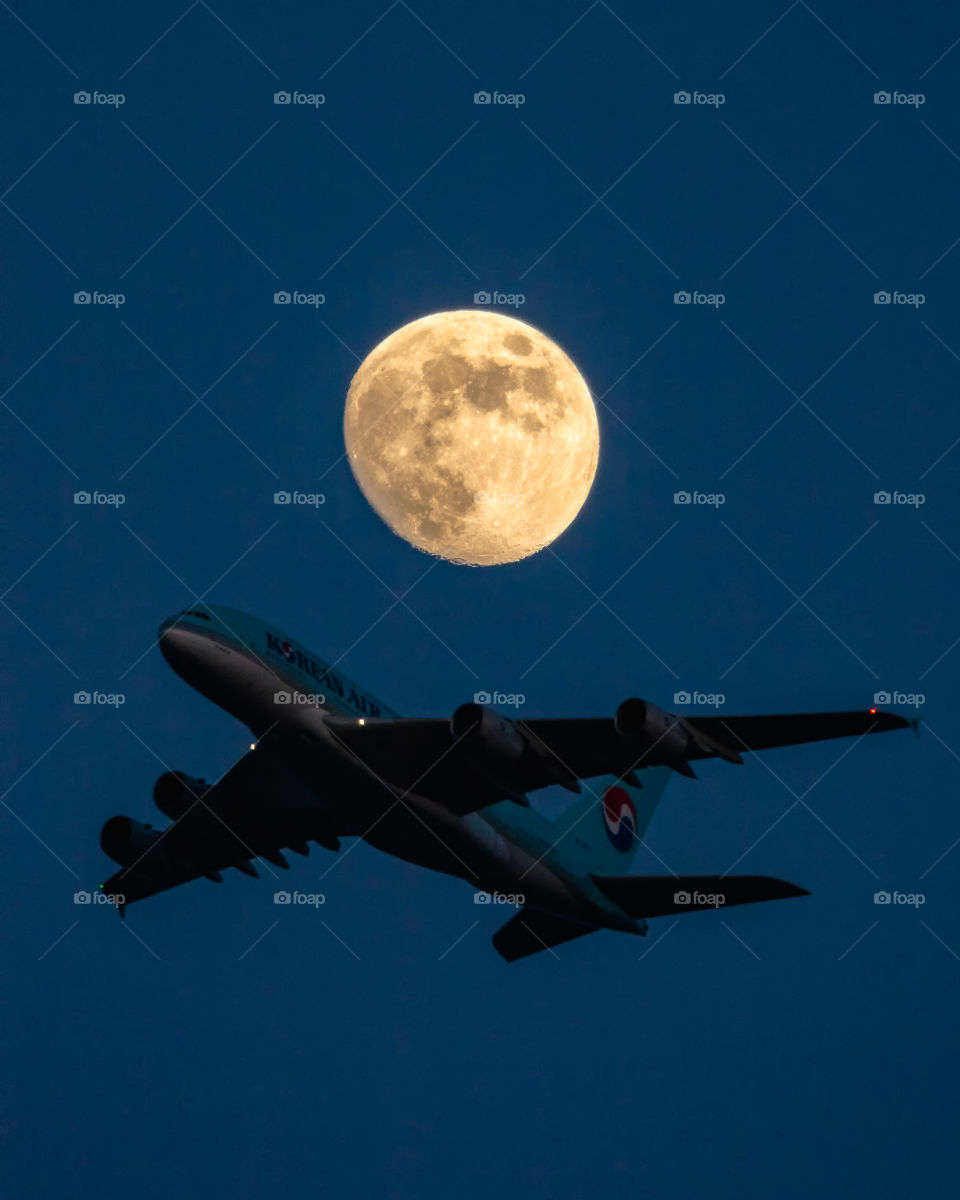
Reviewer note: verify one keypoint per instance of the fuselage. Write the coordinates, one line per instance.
(270, 682)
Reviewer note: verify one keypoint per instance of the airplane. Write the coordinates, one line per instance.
(330, 761)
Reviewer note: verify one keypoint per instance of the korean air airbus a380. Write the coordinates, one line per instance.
(331, 761)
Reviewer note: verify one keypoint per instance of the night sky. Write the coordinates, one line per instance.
(214, 1044)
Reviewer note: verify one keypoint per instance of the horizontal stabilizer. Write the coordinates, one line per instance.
(531, 931)
(673, 895)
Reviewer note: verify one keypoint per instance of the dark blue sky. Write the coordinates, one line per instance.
(776, 1050)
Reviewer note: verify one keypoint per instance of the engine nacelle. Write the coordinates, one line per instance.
(176, 791)
(661, 731)
(484, 727)
(125, 840)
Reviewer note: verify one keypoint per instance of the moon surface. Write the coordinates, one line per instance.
(472, 435)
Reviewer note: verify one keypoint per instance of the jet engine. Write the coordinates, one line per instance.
(483, 726)
(125, 840)
(664, 734)
(175, 792)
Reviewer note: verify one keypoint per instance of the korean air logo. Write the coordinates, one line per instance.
(288, 652)
(620, 818)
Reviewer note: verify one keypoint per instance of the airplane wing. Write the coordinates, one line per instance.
(260, 806)
(479, 757)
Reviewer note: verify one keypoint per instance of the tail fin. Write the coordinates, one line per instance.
(609, 821)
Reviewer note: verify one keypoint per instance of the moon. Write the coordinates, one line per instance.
(473, 436)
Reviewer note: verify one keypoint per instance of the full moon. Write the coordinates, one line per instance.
(472, 435)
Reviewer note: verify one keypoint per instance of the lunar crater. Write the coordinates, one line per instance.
(473, 436)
